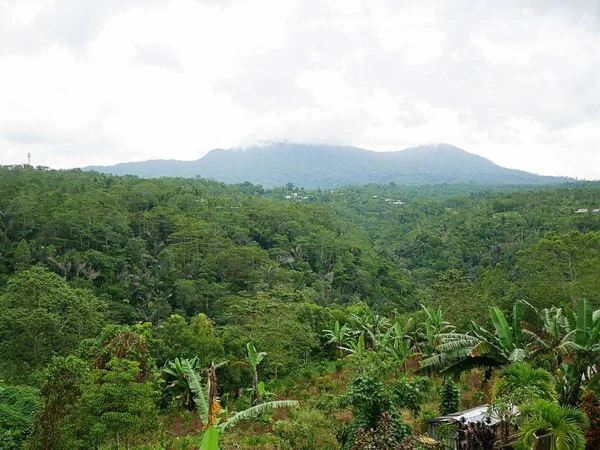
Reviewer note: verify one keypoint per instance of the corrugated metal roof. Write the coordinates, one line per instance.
(477, 414)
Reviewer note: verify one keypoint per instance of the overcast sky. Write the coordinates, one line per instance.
(104, 81)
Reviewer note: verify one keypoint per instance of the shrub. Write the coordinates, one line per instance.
(449, 397)
(478, 436)
(306, 429)
(590, 405)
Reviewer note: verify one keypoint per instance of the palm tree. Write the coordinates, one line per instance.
(457, 352)
(339, 336)
(564, 425)
(518, 384)
(522, 383)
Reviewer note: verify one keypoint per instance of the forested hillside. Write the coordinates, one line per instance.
(120, 298)
(322, 166)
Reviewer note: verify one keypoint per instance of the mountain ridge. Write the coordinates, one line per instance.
(320, 166)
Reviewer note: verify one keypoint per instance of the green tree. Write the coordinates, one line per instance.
(43, 317)
(58, 424)
(521, 383)
(119, 405)
(571, 337)
(183, 340)
(22, 255)
(18, 408)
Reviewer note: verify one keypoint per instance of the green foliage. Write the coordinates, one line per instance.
(177, 373)
(449, 398)
(458, 352)
(307, 429)
(18, 408)
(119, 405)
(210, 439)
(566, 425)
(590, 405)
(206, 268)
(373, 401)
(197, 339)
(520, 383)
(58, 424)
(42, 317)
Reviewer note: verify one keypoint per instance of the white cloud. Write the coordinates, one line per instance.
(88, 82)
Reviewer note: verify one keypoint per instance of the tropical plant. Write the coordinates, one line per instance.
(339, 336)
(210, 409)
(357, 348)
(521, 383)
(590, 405)
(564, 425)
(177, 382)
(572, 338)
(449, 397)
(254, 359)
(202, 394)
(435, 325)
(457, 352)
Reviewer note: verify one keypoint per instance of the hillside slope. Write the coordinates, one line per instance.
(315, 166)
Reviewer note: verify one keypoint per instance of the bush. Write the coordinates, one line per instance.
(449, 397)
(18, 409)
(383, 437)
(590, 405)
(306, 429)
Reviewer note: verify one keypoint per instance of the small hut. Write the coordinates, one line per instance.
(447, 429)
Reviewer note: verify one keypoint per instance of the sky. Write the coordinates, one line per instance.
(86, 82)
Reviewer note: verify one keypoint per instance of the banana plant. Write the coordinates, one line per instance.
(339, 336)
(457, 352)
(357, 348)
(254, 359)
(572, 337)
(177, 383)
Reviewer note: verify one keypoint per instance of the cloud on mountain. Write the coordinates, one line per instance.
(512, 81)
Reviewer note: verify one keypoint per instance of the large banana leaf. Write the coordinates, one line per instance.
(200, 396)
(584, 322)
(517, 318)
(257, 410)
(502, 328)
(254, 357)
(210, 440)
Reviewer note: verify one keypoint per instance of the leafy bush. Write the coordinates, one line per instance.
(306, 429)
(449, 397)
(478, 436)
(18, 408)
(383, 437)
(590, 405)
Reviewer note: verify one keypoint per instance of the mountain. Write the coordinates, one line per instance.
(318, 166)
